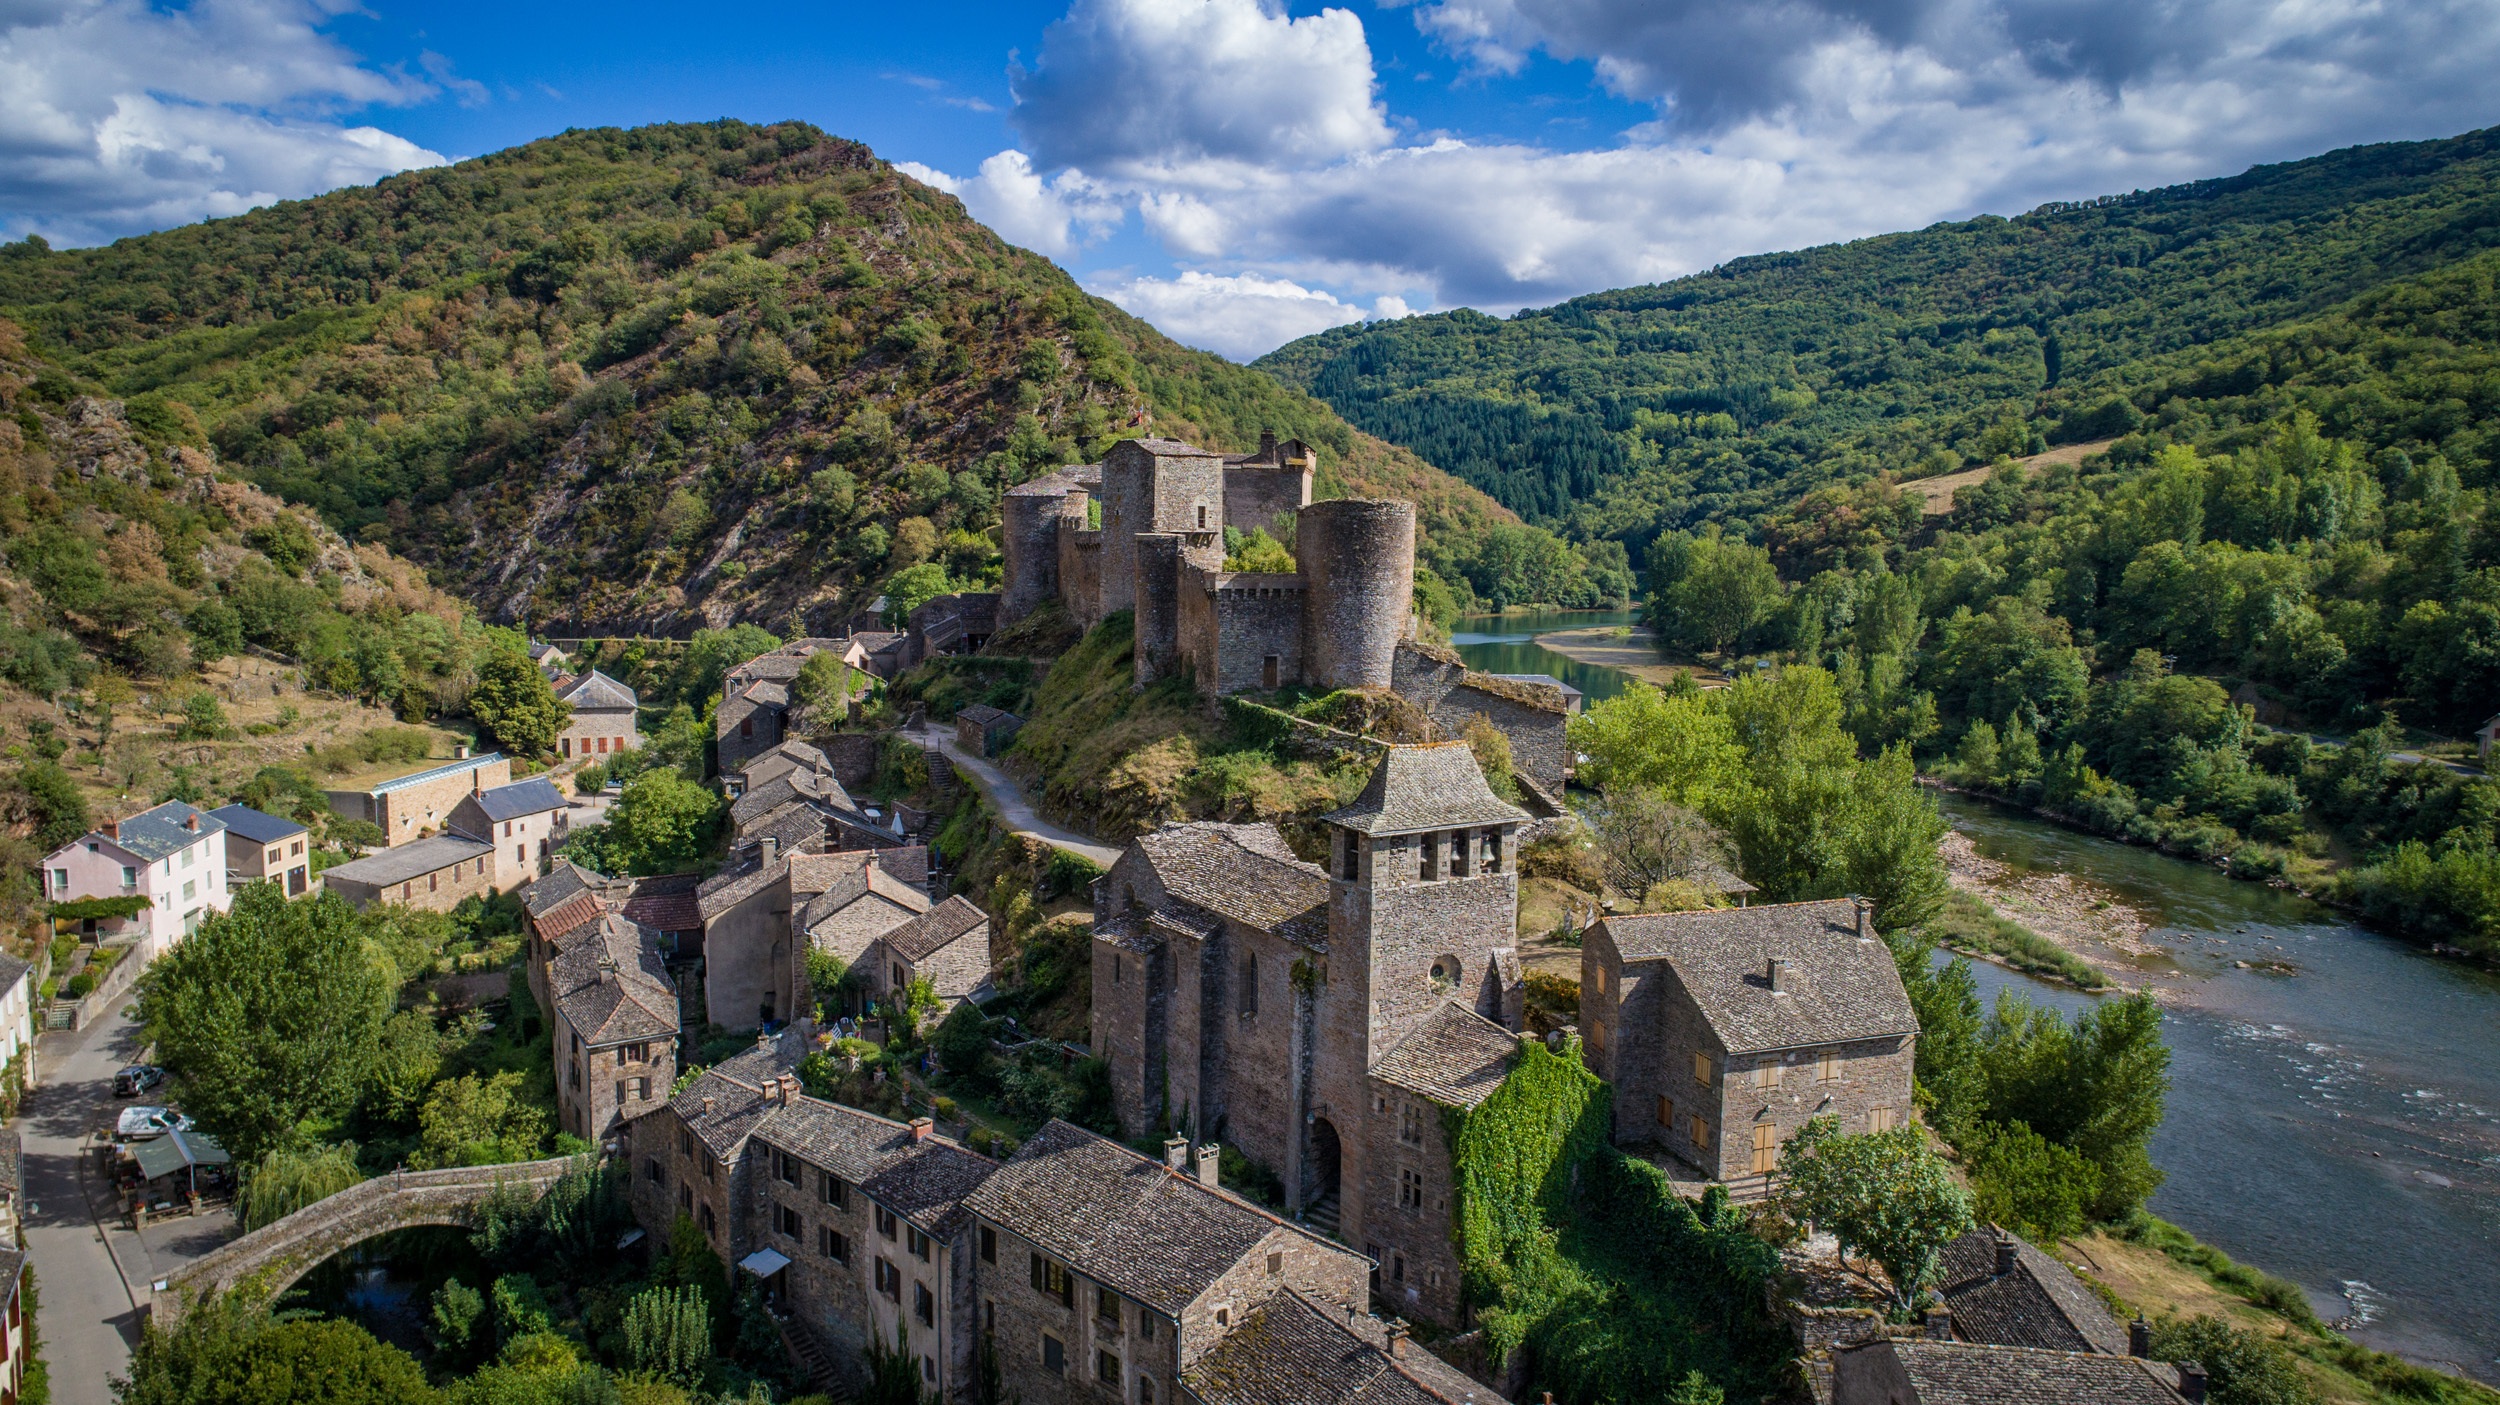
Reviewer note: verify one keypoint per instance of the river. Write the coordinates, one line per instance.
(2337, 1125)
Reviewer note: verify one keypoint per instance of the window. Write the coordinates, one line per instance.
(520, 854)
(831, 1244)
(919, 1244)
(1700, 1133)
(1427, 866)
(1597, 980)
(433, 882)
(1410, 1124)
(746, 726)
(1410, 1188)
(1666, 1112)
(190, 889)
(788, 1222)
(923, 1304)
(829, 1189)
(1107, 1368)
(685, 1198)
(130, 877)
(297, 849)
(1766, 1148)
(889, 1279)
(685, 1142)
(1492, 851)
(190, 856)
(928, 1368)
(708, 1168)
(60, 880)
(900, 980)
(1145, 1390)
(886, 1223)
(710, 1225)
(785, 1168)
(620, 1090)
(989, 1245)
(1202, 519)
(1270, 667)
(651, 1172)
(1701, 1069)
(1249, 1001)
(1397, 1268)
(1353, 857)
(1107, 1307)
(1052, 1280)
(1223, 1317)
(1145, 1324)
(1766, 1074)
(1879, 1119)
(1054, 1355)
(1827, 1066)
(507, 829)
(637, 1053)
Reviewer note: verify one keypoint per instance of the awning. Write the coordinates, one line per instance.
(764, 1263)
(171, 1152)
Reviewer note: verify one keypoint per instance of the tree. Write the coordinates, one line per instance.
(224, 1352)
(216, 630)
(1726, 588)
(823, 678)
(2027, 1183)
(406, 1062)
(913, 587)
(1674, 743)
(668, 1333)
(514, 702)
(452, 1321)
(470, 1121)
(710, 655)
(893, 1373)
(267, 1016)
(49, 798)
(2096, 1086)
(962, 1042)
(1885, 1194)
(662, 823)
(1654, 840)
(2242, 1367)
(283, 1182)
(1255, 550)
(915, 541)
(203, 719)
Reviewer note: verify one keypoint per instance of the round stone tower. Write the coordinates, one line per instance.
(1357, 558)
(1030, 543)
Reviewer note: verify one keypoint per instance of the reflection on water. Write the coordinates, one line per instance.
(1507, 644)
(2333, 1126)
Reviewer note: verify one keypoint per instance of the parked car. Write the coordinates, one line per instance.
(136, 1079)
(139, 1124)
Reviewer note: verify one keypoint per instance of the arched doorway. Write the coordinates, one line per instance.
(1321, 1171)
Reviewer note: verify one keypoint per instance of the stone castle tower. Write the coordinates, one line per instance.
(1335, 622)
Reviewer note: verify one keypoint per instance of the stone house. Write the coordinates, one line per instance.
(415, 805)
(265, 848)
(1246, 995)
(949, 624)
(1533, 716)
(1106, 1275)
(949, 945)
(1725, 1031)
(1326, 1352)
(759, 919)
(984, 730)
(788, 756)
(173, 855)
(525, 823)
(1998, 1290)
(556, 905)
(1899, 1371)
(753, 715)
(615, 1026)
(604, 713)
(1450, 1062)
(551, 660)
(431, 874)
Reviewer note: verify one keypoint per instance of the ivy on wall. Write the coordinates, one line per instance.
(1588, 1260)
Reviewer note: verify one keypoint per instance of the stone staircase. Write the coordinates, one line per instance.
(815, 1359)
(944, 785)
(1321, 1214)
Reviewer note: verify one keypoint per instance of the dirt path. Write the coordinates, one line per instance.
(1937, 492)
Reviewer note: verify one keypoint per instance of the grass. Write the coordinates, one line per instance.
(1967, 923)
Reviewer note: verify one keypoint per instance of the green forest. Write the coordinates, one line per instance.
(613, 380)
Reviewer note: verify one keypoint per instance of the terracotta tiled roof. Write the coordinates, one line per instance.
(1434, 786)
(1295, 1349)
(612, 987)
(1124, 1219)
(567, 917)
(560, 882)
(1963, 1373)
(1455, 1056)
(2038, 1302)
(933, 931)
(1842, 986)
(1242, 871)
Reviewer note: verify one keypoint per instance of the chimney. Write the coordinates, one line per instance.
(708, 1100)
(1861, 905)
(459, 751)
(1267, 443)
(789, 1089)
(113, 830)
(771, 850)
(2005, 1253)
(2139, 1337)
(1939, 1324)
(1779, 975)
(763, 1042)
(1210, 1160)
(2192, 1382)
(1397, 1339)
(1176, 1153)
(920, 1128)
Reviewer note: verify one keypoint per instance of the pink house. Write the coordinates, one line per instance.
(173, 855)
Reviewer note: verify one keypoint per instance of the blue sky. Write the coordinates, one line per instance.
(1241, 172)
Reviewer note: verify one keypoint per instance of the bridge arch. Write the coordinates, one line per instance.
(260, 1266)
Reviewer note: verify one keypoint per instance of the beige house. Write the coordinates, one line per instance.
(948, 945)
(264, 848)
(432, 874)
(603, 717)
(525, 822)
(419, 803)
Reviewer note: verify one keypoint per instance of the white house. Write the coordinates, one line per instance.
(173, 855)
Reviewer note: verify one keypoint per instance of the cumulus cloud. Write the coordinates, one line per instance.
(1132, 87)
(116, 117)
(1053, 216)
(1237, 315)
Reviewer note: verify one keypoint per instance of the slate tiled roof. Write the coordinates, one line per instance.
(12, 970)
(612, 987)
(436, 773)
(935, 930)
(1294, 1349)
(597, 692)
(851, 884)
(790, 785)
(787, 756)
(534, 796)
(732, 886)
(1174, 449)
(767, 693)
(982, 715)
(1843, 986)
(410, 861)
(795, 827)
(1244, 872)
(255, 826)
(557, 885)
(736, 1086)
(664, 904)
(1124, 1219)
(1434, 786)
(1962, 1373)
(843, 870)
(1059, 481)
(923, 1181)
(153, 834)
(1454, 1056)
(2039, 1303)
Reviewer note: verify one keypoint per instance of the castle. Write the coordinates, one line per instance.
(1335, 622)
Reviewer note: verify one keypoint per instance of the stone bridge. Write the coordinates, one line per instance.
(263, 1264)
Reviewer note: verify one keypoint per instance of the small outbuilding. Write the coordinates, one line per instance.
(984, 730)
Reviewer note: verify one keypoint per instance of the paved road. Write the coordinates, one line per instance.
(1013, 808)
(2413, 758)
(94, 1271)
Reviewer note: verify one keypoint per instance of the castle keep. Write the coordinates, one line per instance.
(1335, 622)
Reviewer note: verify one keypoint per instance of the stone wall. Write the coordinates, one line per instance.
(1357, 559)
(1243, 629)
(1029, 543)
(1265, 498)
(746, 960)
(596, 1089)
(439, 891)
(1418, 1268)
(743, 730)
(853, 756)
(1531, 717)
(1156, 592)
(1081, 568)
(674, 1173)
(598, 734)
(412, 811)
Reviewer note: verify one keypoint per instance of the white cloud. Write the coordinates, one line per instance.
(115, 117)
(1130, 87)
(1012, 198)
(1237, 315)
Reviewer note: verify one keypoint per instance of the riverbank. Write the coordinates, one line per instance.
(1629, 649)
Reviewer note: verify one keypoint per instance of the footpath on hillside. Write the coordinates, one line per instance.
(1004, 795)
